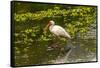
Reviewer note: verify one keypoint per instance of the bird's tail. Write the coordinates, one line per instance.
(67, 35)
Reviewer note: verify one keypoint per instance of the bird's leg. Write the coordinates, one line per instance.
(55, 44)
(55, 38)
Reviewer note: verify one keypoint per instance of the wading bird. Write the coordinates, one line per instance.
(57, 30)
(60, 31)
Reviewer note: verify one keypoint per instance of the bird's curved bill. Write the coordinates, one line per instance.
(46, 28)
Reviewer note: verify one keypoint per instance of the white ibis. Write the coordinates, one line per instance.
(57, 30)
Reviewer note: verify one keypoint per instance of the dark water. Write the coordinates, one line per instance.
(82, 51)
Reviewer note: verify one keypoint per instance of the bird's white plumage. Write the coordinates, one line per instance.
(59, 31)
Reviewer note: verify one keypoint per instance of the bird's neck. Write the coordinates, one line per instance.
(50, 28)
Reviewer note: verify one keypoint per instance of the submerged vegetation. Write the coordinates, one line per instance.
(31, 43)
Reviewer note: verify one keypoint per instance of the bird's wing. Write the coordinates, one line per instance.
(58, 30)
